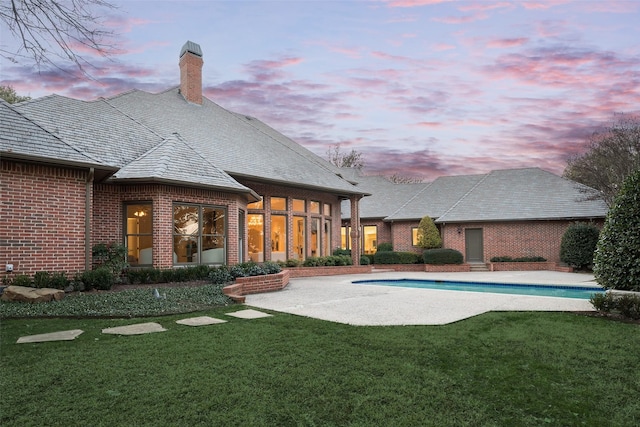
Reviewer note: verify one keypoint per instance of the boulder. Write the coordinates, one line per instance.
(25, 294)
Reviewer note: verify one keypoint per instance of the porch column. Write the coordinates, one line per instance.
(355, 229)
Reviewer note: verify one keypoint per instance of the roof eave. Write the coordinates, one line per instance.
(252, 196)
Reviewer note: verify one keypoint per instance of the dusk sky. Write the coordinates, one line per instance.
(421, 88)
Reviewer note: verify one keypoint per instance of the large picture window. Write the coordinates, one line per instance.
(139, 234)
(255, 227)
(199, 234)
(278, 238)
(370, 239)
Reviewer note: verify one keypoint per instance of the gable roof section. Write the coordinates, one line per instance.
(436, 198)
(502, 195)
(240, 145)
(524, 194)
(385, 196)
(175, 162)
(93, 127)
(21, 138)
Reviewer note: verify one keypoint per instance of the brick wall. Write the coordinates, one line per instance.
(515, 239)
(41, 218)
(109, 223)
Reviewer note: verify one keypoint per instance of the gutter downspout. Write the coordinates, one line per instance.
(87, 219)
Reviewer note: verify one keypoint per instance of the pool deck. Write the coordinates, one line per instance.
(337, 299)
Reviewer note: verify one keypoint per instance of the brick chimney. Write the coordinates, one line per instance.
(191, 72)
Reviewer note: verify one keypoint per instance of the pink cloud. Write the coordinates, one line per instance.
(546, 4)
(414, 3)
(505, 43)
(485, 6)
(462, 19)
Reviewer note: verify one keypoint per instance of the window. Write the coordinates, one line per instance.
(139, 234)
(344, 234)
(299, 237)
(314, 207)
(199, 234)
(326, 209)
(278, 238)
(298, 205)
(278, 204)
(255, 224)
(414, 236)
(369, 239)
(315, 237)
(256, 205)
(326, 239)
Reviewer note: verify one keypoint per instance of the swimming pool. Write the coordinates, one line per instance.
(580, 292)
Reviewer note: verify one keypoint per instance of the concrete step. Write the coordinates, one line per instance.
(479, 266)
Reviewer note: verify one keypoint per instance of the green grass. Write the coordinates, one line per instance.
(498, 369)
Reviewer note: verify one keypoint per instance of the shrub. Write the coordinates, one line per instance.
(271, 267)
(442, 256)
(112, 256)
(386, 257)
(19, 280)
(520, 259)
(579, 244)
(617, 257)
(101, 278)
(365, 260)
(339, 251)
(220, 276)
(408, 257)
(370, 257)
(385, 247)
(292, 262)
(428, 234)
(627, 305)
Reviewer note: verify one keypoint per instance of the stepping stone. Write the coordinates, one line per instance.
(249, 314)
(53, 336)
(137, 329)
(200, 321)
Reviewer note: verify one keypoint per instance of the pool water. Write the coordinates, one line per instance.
(581, 292)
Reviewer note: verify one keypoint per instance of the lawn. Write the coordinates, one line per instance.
(498, 369)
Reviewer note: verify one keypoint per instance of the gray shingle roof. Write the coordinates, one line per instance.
(120, 130)
(240, 145)
(524, 194)
(21, 137)
(384, 199)
(503, 195)
(174, 161)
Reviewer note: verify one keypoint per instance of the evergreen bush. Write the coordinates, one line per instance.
(385, 247)
(442, 256)
(579, 244)
(617, 257)
(386, 257)
(428, 234)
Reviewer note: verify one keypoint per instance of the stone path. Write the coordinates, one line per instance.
(142, 328)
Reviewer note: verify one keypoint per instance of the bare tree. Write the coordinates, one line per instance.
(396, 178)
(9, 94)
(353, 159)
(613, 153)
(52, 30)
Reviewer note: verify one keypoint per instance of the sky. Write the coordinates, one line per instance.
(421, 88)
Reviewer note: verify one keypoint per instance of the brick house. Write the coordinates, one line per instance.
(514, 212)
(172, 175)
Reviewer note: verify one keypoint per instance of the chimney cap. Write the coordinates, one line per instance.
(191, 47)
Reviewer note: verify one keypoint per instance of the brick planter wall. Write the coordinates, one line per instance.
(400, 267)
(328, 271)
(256, 285)
(447, 268)
(527, 266)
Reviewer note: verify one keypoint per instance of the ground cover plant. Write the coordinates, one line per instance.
(525, 369)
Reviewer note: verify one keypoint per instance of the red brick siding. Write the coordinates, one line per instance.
(108, 215)
(41, 218)
(514, 239)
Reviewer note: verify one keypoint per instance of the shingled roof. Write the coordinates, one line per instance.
(21, 138)
(501, 195)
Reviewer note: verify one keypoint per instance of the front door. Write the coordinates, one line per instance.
(474, 247)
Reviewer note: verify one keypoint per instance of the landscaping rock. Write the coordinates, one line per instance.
(26, 294)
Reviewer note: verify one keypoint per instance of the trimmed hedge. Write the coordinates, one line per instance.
(520, 259)
(579, 244)
(390, 257)
(442, 256)
(385, 247)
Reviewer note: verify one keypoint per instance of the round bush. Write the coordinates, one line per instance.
(617, 257)
(579, 244)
